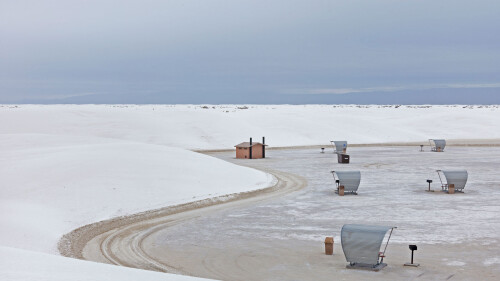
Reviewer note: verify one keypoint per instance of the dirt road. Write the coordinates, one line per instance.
(120, 241)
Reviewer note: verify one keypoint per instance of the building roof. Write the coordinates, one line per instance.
(247, 144)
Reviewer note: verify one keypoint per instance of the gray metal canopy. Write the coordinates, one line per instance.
(456, 177)
(340, 146)
(349, 179)
(361, 243)
(437, 144)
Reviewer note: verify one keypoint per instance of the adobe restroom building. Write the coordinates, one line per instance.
(251, 150)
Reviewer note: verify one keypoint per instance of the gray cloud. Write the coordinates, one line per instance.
(242, 51)
(343, 91)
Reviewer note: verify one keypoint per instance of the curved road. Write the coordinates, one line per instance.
(120, 241)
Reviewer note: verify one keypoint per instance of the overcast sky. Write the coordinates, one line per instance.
(281, 51)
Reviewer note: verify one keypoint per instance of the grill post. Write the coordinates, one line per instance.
(412, 249)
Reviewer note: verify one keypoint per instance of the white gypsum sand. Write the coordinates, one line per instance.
(23, 265)
(64, 166)
(53, 184)
(223, 126)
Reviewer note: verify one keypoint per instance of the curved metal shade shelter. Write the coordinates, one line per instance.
(361, 244)
(340, 146)
(349, 179)
(437, 145)
(456, 177)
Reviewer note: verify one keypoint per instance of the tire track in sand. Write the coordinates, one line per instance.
(120, 240)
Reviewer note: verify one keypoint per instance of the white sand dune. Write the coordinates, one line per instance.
(53, 184)
(223, 126)
(22, 265)
(63, 166)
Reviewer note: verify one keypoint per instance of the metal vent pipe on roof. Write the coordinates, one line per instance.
(263, 147)
(250, 156)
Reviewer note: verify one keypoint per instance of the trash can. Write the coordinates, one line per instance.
(451, 188)
(341, 190)
(343, 158)
(329, 246)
